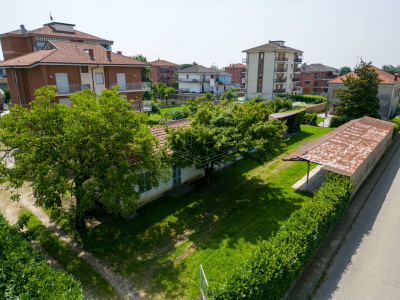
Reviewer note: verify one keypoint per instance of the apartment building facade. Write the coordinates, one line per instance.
(238, 72)
(273, 69)
(22, 41)
(315, 77)
(388, 93)
(199, 79)
(71, 67)
(163, 71)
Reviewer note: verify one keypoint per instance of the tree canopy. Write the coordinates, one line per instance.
(344, 70)
(185, 66)
(221, 133)
(96, 150)
(391, 69)
(144, 71)
(359, 98)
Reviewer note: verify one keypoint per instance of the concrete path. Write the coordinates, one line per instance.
(327, 120)
(367, 265)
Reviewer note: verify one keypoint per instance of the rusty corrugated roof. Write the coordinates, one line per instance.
(344, 149)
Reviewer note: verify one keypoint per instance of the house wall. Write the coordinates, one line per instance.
(15, 46)
(387, 94)
(252, 72)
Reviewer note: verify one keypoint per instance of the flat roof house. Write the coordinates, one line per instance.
(199, 79)
(388, 93)
(74, 66)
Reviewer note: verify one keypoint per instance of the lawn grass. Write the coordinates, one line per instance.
(153, 118)
(216, 226)
(70, 261)
(320, 119)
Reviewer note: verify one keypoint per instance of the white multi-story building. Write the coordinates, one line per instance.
(198, 79)
(273, 69)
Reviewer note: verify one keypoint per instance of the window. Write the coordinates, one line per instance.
(262, 55)
(16, 77)
(260, 76)
(187, 76)
(290, 76)
(224, 87)
(291, 66)
(308, 74)
(144, 185)
(99, 78)
(84, 69)
(260, 66)
(176, 176)
(335, 95)
(307, 82)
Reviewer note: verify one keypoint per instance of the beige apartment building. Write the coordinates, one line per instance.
(273, 69)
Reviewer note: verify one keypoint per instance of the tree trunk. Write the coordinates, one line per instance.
(79, 213)
(209, 169)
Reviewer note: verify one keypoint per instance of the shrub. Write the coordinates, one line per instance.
(310, 119)
(279, 104)
(176, 115)
(315, 99)
(258, 98)
(155, 109)
(229, 95)
(209, 96)
(337, 121)
(7, 96)
(396, 129)
(173, 102)
(24, 273)
(276, 263)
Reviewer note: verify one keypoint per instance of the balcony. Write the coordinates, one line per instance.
(280, 70)
(163, 71)
(193, 80)
(132, 86)
(298, 59)
(71, 88)
(281, 59)
(280, 80)
(296, 79)
(280, 91)
(296, 70)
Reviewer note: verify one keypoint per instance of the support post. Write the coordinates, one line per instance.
(308, 173)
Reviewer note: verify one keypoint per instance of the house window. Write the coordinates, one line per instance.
(187, 76)
(335, 95)
(308, 74)
(260, 66)
(262, 55)
(290, 76)
(307, 82)
(16, 77)
(224, 87)
(260, 76)
(99, 78)
(84, 69)
(177, 176)
(144, 185)
(291, 66)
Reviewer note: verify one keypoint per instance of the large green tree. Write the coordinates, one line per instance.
(221, 133)
(96, 150)
(145, 71)
(185, 66)
(391, 69)
(344, 70)
(359, 98)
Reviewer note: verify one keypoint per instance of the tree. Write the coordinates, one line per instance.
(229, 95)
(7, 96)
(391, 69)
(144, 71)
(96, 150)
(209, 96)
(221, 133)
(344, 70)
(280, 104)
(185, 66)
(159, 91)
(359, 98)
(169, 91)
(214, 67)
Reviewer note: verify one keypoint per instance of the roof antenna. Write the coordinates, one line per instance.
(159, 57)
(51, 17)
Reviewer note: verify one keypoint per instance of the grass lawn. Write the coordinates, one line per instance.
(70, 261)
(320, 119)
(216, 226)
(153, 118)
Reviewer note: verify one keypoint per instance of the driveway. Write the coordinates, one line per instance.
(367, 265)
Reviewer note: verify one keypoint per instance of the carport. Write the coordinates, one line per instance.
(351, 150)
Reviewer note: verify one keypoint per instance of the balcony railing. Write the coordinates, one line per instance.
(280, 91)
(65, 89)
(163, 71)
(281, 70)
(298, 70)
(132, 86)
(296, 79)
(280, 80)
(298, 60)
(281, 59)
(193, 80)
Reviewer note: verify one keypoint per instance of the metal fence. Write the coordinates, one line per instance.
(203, 285)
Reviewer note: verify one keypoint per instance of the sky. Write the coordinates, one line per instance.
(336, 33)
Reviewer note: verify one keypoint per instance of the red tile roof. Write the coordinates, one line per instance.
(236, 66)
(271, 46)
(161, 135)
(71, 53)
(386, 77)
(344, 149)
(48, 31)
(162, 63)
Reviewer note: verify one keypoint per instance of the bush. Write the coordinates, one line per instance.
(24, 273)
(280, 104)
(258, 98)
(176, 115)
(7, 96)
(337, 121)
(155, 109)
(229, 95)
(315, 99)
(173, 102)
(276, 263)
(310, 119)
(209, 96)
(396, 129)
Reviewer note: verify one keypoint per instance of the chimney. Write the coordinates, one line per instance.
(23, 30)
(90, 52)
(109, 55)
(119, 52)
(395, 76)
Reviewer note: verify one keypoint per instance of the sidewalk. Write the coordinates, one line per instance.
(327, 120)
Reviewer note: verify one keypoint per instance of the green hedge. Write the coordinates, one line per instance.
(310, 119)
(337, 121)
(396, 120)
(276, 263)
(25, 275)
(315, 99)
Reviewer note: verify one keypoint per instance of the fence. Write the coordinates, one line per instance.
(203, 285)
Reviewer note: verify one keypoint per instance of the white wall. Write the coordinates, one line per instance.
(268, 75)
(252, 73)
(86, 78)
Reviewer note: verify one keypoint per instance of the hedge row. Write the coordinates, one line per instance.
(337, 121)
(310, 119)
(396, 121)
(25, 275)
(316, 99)
(276, 263)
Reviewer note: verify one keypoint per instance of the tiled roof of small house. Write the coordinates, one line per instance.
(318, 68)
(163, 63)
(161, 134)
(386, 77)
(271, 46)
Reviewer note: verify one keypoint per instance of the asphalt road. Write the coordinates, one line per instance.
(367, 265)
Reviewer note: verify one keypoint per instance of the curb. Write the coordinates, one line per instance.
(308, 279)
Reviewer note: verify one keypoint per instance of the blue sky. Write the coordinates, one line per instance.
(216, 31)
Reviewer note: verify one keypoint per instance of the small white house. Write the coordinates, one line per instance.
(198, 79)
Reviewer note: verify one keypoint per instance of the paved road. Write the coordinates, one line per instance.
(367, 265)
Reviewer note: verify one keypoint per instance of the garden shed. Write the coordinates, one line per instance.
(292, 118)
(352, 149)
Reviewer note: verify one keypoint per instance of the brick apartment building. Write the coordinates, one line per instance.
(315, 78)
(238, 72)
(69, 64)
(163, 71)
